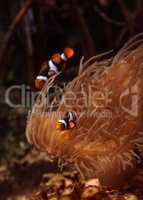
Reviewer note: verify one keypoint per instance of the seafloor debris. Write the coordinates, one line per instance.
(68, 186)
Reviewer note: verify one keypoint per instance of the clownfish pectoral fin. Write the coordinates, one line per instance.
(72, 125)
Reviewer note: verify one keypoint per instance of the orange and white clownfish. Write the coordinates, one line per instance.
(55, 65)
(68, 122)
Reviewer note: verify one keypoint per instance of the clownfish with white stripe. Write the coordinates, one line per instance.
(54, 66)
(68, 122)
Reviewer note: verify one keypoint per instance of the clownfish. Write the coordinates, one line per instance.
(55, 65)
(68, 122)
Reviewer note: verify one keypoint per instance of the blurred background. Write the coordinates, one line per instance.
(30, 32)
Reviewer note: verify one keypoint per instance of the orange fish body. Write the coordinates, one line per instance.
(69, 122)
(54, 66)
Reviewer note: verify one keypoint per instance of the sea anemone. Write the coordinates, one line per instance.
(107, 97)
